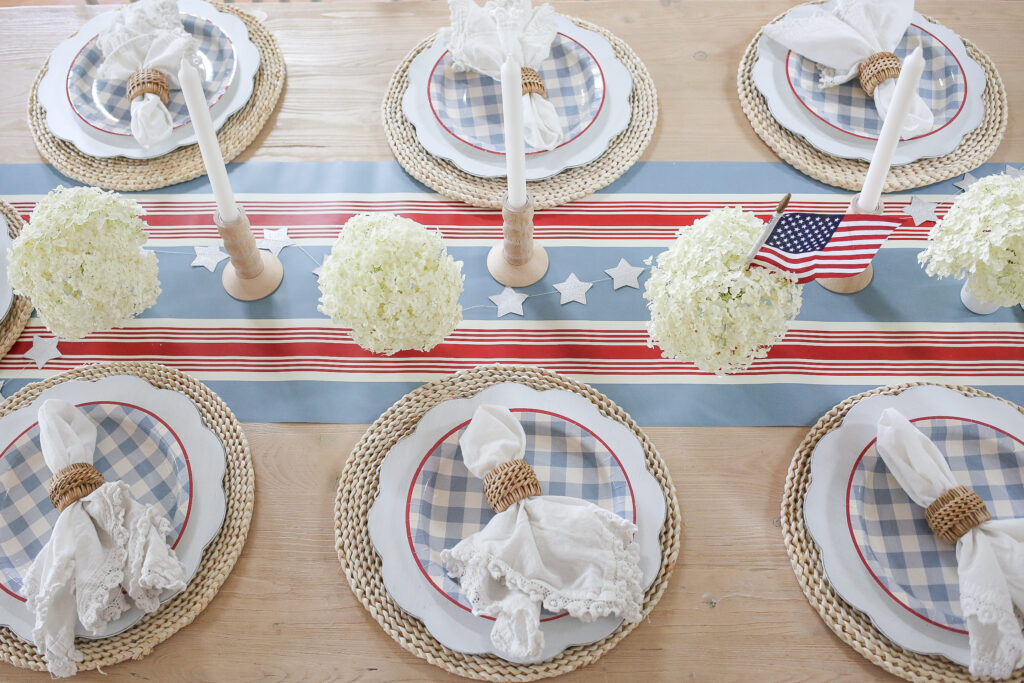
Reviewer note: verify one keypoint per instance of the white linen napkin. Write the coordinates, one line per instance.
(101, 544)
(990, 557)
(481, 37)
(146, 35)
(841, 39)
(565, 553)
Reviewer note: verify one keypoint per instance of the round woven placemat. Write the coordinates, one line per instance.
(357, 490)
(183, 163)
(17, 317)
(852, 626)
(218, 558)
(439, 174)
(976, 147)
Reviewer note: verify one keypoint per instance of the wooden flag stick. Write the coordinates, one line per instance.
(768, 229)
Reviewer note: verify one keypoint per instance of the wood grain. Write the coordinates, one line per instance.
(733, 611)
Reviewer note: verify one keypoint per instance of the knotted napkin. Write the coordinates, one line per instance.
(144, 47)
(566, 554)
(103, 545)
(857, 37)
(481, 37)
(990, 554)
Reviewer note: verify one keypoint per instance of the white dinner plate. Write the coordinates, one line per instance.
(428, 501)
(152, 439)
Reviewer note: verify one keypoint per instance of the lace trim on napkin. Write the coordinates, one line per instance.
(985, 608)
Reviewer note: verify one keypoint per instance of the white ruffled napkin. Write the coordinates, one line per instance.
(990, 557)
(481, 37)
(565, 553)
(841, 39)
(146, 35)
(102, 544)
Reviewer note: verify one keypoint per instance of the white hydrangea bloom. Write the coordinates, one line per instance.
(982, 236)
(81, 262)
(392, 281)
(707, 306)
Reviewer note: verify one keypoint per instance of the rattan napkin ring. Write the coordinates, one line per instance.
(533, 83)
(956, 512)
(509, 483)
(879, 67)
(148, 81)
(75, 481)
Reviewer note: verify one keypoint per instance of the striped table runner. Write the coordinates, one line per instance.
(281, 360)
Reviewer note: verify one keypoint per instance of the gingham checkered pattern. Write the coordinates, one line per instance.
(848, 107)
(893, 534)
(131, 446)
(448, 502)
(469, 104)
(105, 104)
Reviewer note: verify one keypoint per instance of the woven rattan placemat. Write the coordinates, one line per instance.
(184, 163)
(439, 174)
(853, 627)
(14, 322)
(976, 147)
(357, 490)
(218, 558)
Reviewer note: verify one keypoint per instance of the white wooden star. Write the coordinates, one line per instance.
(509, 301)
(1014, 172)
(208, 256)
(44, 349)
(319, 269)
(966, 181)
(573, 289)
(275, 240)
(625, 275)
(921, 211)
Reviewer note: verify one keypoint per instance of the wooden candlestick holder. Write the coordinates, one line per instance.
(517, 261)
(851, 285)
(252, 274)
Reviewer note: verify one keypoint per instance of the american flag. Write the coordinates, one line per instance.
(815, 245)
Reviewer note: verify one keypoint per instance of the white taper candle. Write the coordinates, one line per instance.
(199, 112)
(889, 138)
(515, 147)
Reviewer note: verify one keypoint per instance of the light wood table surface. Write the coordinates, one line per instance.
(733, 610)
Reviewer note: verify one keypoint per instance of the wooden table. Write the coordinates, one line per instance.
(733, 610)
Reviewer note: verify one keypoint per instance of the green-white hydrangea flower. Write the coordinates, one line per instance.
(81, 262)
(392, 281)
(707, 306)
(982, 237)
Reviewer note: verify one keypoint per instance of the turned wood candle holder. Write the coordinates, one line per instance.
(852, 285)
(252, 274)
(517, 261)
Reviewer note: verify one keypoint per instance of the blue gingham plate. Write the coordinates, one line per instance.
(152, 439)
(876, 547)
(84, 123)
(475, 144)
(842, 121)
(104, 104)
(468, 106)
(428, 501)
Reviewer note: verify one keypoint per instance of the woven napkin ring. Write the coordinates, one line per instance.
(75, 481)
(956, 512)
(148, 81)
(533, 83)
(879, 67)
(509, 483)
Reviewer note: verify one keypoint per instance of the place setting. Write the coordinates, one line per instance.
(590, 106)
(819, 104)
(107, 109)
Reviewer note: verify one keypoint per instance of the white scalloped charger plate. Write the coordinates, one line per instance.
(180, 423)
(847, 134)
(612, 119)
(66, 124)
(416, 589)
(834, 463)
